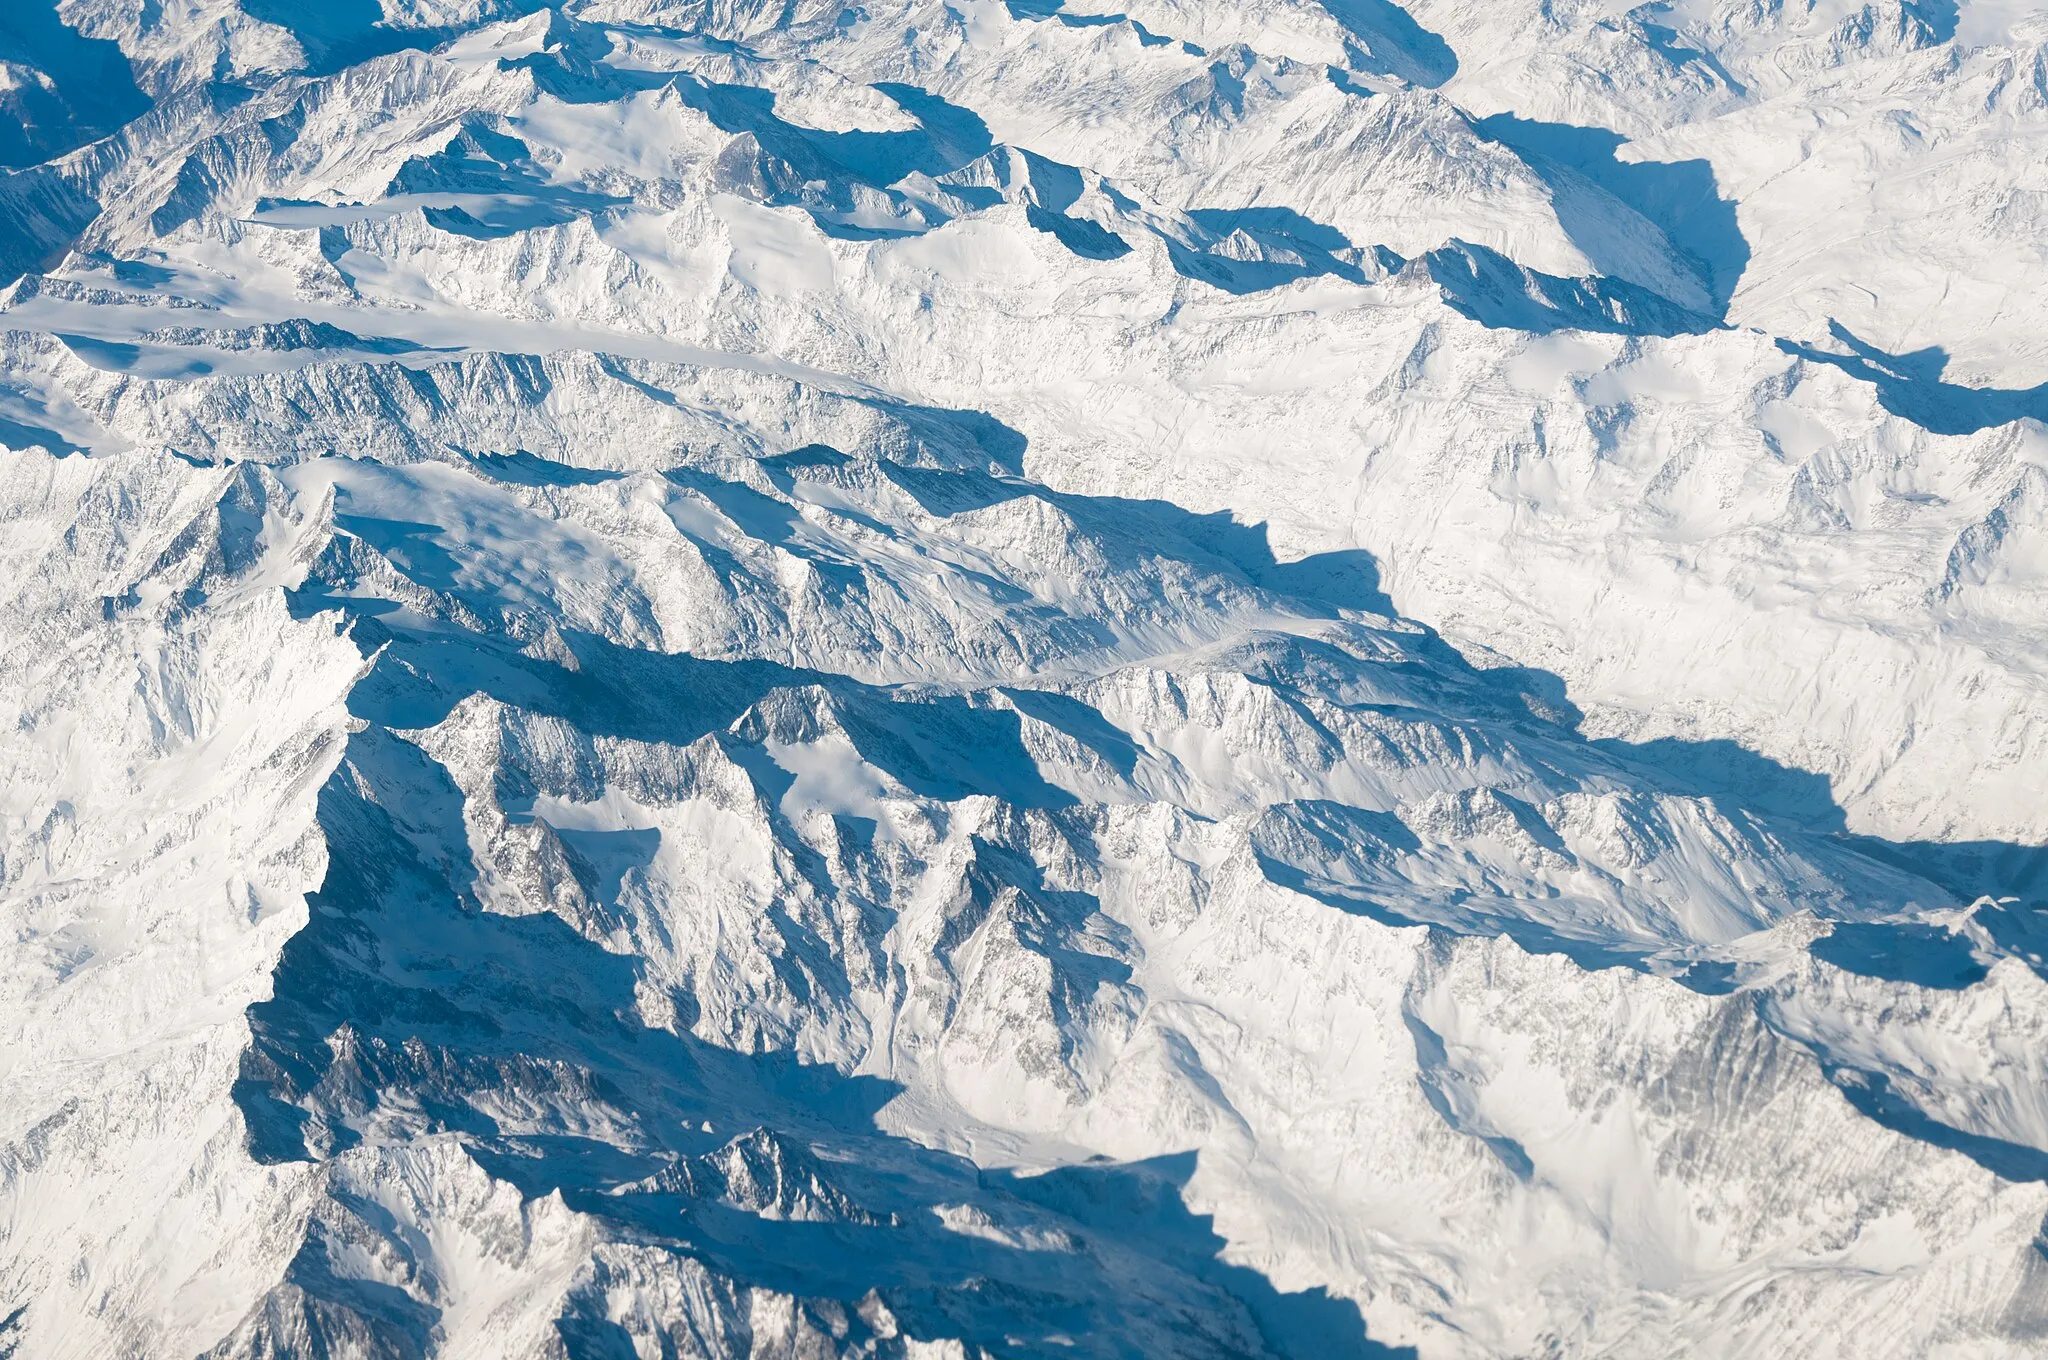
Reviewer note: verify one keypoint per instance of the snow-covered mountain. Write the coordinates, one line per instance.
(956, 678)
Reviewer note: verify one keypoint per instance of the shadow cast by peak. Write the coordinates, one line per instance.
(1274, 223)
(772, 159)
(16, 434)
(1127, 529)
(1786, 800)
(937, 745)
(1680, 198)
(1736, 776)
(335, 34)
(65, 90)
(403, 1013)
(948, 745)
(776, 160)
(1284, 246)
(1481, 283)
(1911, 386)
(953, 746)
(1872, 1095)
(1390, 42)
(1146, 1201)
(2008, 881)
(2007, 885)
(1926, 956)
(1936, 20)
(861, 185)
(522, 468)
(1056, 11)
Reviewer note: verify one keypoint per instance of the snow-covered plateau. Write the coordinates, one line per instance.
(1251, 679)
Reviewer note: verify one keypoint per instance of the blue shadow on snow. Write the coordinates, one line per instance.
(90, 93)
(1911, 386)
(1681, 198)
(405, 1006)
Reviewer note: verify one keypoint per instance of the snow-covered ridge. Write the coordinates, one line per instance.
(943, 679)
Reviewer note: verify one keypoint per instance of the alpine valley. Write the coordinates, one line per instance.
(950, 679)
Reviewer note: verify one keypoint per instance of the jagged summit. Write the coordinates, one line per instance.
(963, 678)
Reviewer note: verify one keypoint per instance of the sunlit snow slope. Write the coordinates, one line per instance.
(984, 678)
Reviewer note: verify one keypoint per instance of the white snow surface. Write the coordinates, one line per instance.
(984, 678)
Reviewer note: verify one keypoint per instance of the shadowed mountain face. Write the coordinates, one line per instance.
(402, 1005)
(1681, 199)
(336, 34)
(1911, 386)
(461, 977)
(939, 680)
(61, 89)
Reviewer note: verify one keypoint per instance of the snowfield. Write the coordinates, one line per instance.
(1023, 678)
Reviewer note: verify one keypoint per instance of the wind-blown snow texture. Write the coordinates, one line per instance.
(953, 678)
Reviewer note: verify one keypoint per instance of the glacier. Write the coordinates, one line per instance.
(982, 678)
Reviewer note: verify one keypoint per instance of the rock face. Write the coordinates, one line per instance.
(983, 678)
